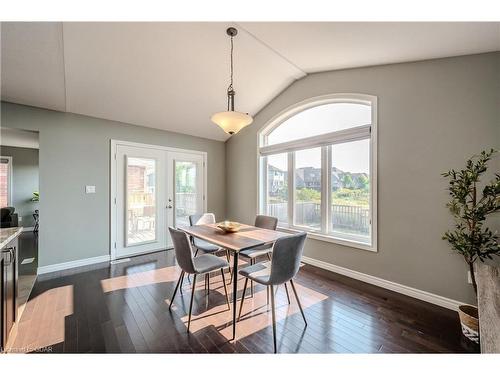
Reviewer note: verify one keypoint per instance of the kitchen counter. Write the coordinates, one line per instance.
(8, 234)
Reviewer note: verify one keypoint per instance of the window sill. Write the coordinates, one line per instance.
(331, 239)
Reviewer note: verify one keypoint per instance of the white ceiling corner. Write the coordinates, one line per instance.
(32, 64)
(323, 46)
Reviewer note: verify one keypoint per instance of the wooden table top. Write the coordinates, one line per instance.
(246, 238)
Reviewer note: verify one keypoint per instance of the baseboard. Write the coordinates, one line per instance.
(75, 263)
(386, 284)
(28, 229)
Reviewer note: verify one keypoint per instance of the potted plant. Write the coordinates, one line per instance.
(470, 206)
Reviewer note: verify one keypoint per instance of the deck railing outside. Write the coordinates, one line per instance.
(352, 219)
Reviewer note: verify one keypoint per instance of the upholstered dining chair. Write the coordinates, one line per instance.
(202, 264)
(265, 222)
(204, 246)
(284, 265)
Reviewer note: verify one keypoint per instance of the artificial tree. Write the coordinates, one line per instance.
(471, 238)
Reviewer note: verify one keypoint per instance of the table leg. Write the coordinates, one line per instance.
(235, 290)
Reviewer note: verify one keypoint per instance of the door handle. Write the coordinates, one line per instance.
(169, 206)
(9, 251)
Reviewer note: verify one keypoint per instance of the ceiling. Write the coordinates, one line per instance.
(173, 76)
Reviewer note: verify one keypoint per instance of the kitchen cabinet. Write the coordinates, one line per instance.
(8, 286)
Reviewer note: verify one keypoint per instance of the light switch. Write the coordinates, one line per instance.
(90, 189)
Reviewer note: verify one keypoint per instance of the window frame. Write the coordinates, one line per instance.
(324, 141)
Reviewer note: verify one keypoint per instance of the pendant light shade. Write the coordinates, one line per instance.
(231, 121)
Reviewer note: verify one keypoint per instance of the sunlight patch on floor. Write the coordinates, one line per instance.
(43, 320)
(256, 313)
(133, 280)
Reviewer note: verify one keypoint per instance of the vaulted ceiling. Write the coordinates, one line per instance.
(173, 76)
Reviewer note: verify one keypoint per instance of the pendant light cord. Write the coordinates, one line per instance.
(230, 91)
(231, 84)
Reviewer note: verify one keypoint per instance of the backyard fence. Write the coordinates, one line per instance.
(355, 219)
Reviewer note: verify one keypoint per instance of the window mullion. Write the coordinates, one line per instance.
(291, 188)
(264, 192)
(329, 188)
(324, 188)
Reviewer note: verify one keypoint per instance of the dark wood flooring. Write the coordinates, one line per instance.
(123, 308)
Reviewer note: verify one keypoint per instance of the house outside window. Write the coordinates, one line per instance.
(317, 169)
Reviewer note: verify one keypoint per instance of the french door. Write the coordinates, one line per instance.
(152, 188)
(185, 188)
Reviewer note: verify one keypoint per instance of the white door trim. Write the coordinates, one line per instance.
(112, 190)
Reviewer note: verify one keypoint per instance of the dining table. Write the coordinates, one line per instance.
(247, 237)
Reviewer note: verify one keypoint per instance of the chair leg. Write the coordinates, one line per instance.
(269, 256)
(182, 282)
(243, 296)
(175, 290)
(298, 301)
(208, 283)
(195, 253)
(274, 317)
(267, 295)
(191, 303)
(252, 262)
(228, 257)
(225, 287)
(287, 295)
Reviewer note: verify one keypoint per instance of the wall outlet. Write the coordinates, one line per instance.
(90, 189)
(469, 279)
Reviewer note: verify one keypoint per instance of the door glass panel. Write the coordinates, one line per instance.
(141, 200)
(185, 191)
(308, 188)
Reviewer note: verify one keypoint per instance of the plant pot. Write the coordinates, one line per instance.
(469, 320)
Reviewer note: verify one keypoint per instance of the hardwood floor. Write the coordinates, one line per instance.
(123, 308)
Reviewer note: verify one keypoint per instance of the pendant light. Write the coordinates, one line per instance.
(231, 121)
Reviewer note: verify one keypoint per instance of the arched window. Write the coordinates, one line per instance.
(317, 169)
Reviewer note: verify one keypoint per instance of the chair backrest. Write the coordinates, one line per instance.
(201, 219)
(182, 248)
(287, 253)
(266, 222)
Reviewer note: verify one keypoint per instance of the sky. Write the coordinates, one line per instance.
(349, 157)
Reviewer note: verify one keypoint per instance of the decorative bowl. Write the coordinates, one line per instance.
(229, 226)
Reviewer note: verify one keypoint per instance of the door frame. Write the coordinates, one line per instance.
(114, 143)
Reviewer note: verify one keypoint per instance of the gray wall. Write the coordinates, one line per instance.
(74, 152)
(432, 115)
(24, 181)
